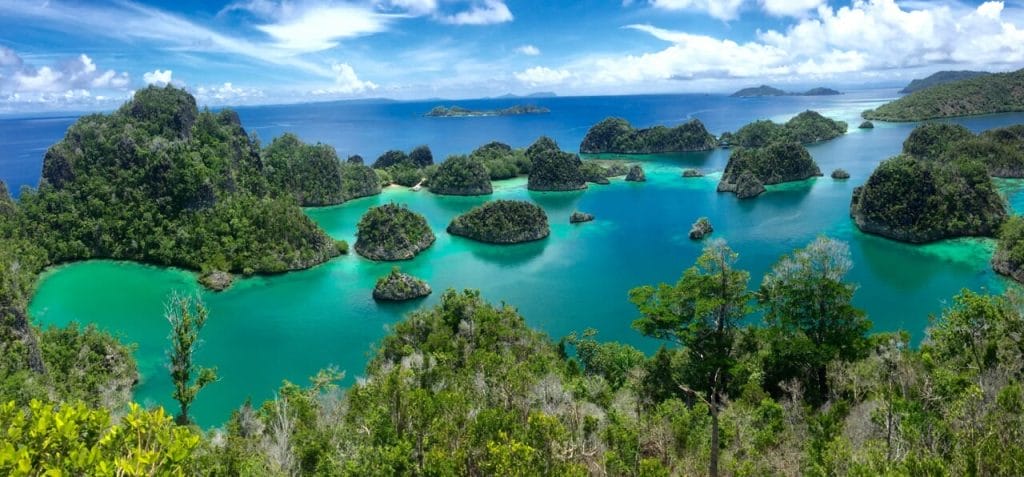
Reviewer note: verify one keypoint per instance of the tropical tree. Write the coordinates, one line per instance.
(700, 313)
(187, 318)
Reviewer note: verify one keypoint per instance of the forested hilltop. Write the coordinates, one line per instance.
(778, 377)
(987, 94)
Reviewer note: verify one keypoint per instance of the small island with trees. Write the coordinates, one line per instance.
(460, 175)
(392, 232)
(765, 90)
(750, 169)
(805, 128)
(502, 222)
(552, 169)
(616, 135)
(398, 286)
(460, 112)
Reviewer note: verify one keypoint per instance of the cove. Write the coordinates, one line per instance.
(269, 328)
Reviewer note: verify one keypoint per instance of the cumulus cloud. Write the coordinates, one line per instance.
(320, 28)
(720, 9)
(484, 13)
(158, 77)
(346, 82)
(541, 75)
(528, 50)
(866, 36)
(78, 73)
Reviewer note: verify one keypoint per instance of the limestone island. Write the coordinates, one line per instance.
(750, 169)
(765, 90)
(398, 286)
(940, 77)
(805, 128)
(616, 135)
(690, 173)
(866, 125)
(922, 200)
(460, 175)
(314, 174)
(580, 217)
(502, 222)
(701, 228)
(636, 174)
(184, 188)
(460, 112)
(553, 169)
(840, 174)
(1000, 150)
(987, 94)
(392, 232)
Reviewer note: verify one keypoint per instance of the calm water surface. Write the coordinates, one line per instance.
(266, 329)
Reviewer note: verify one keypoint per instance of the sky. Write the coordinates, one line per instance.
(92, 55)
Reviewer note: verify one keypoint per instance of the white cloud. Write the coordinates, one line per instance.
(540, 75)
(484, 13)
(320, 28)
(346, 82)
(78, 73)
(528, 50)
(866, 37)
(9, 58)
(720, 9)
(415, 7)
(226, 93)
(790, 8)
(158, 77)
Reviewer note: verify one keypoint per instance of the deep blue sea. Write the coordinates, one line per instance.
(265, 329)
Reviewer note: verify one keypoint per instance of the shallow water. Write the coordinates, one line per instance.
(265, 329)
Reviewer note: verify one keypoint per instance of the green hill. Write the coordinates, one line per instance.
(995, 93)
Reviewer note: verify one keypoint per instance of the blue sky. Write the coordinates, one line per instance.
(61, 54)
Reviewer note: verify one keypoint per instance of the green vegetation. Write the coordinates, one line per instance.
(312, 173)
(782, 380)
(993, 93)
(805, 128)
(187, 320)
(502, 222)
(616, 135)
(461, 175)
(398, 286)
(405, 169)
(460, 112)
(1001, 150)
(392, 232)
(1009, 256)
(773, 164)
(940, 77)
(921, 200)
(501, 161)
(552, 169)
(159, 181)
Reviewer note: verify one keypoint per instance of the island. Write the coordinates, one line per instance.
(987, 94)
(866, 125)
(840, 174)
(398, 286)
(765, 90)
(501, 161)
(616, 135)
(691, 173)
(502, 222)
(460, 175)
(180, 187)
(460, 112)
(553, 169)
(1008, 258)
(941, 77)
(392, 232)
(578, 217)
(636, 174)
(750, 169)
(1000, 150)
(805, 128)
(701, 228)
(397, 167)
(921, 200)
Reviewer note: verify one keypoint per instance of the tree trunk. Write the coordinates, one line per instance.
(713, 465)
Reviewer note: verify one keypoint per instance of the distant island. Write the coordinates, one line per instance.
(765, 90)
(941, 77)
(616, 135)
(460, 112)
(805, 128)
(539, 94)
(988, 94)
